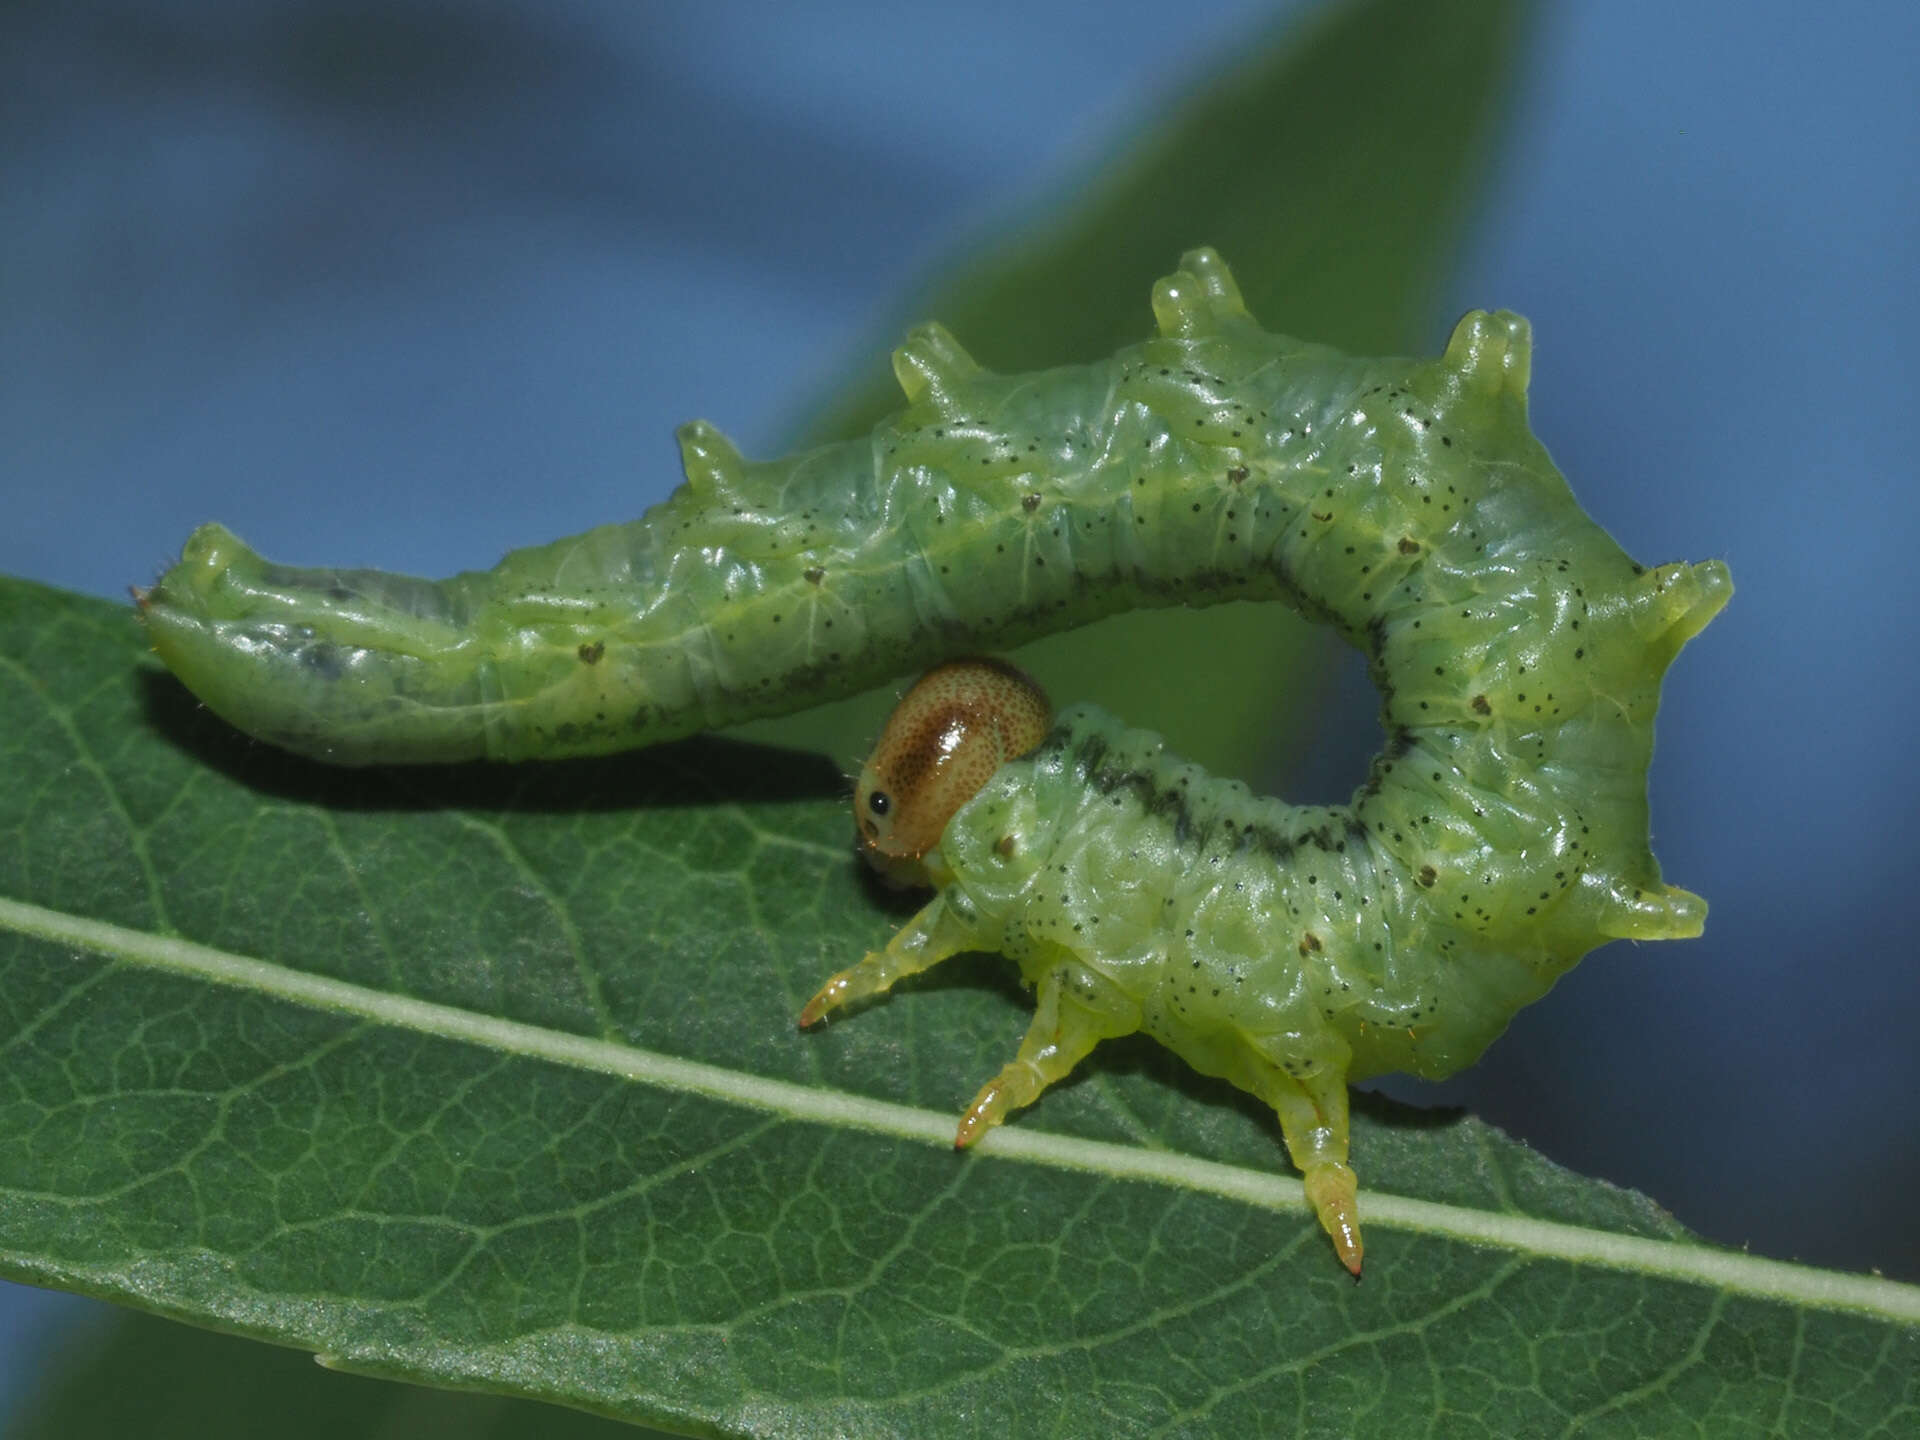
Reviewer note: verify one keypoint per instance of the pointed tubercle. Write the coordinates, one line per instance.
(931, 365)
(1492, 350)
(711, 462)
(1665, 912)
(1200, 298)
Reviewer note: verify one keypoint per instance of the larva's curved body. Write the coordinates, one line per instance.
(1518, 651)
(1213, 462)
(1288, 949)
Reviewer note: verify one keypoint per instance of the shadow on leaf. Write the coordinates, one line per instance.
(703, 770)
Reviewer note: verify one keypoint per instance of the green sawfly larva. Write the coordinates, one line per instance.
(1288, 949)
(1518, 651)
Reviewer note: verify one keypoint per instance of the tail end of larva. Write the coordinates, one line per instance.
(1662, 912)
(1492, 351)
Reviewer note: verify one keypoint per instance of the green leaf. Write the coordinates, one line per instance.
(488, 1078)
(150, 1377)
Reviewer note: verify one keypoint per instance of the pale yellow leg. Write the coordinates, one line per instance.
(933, 935)
(1076, 1010)
(1313, 1120)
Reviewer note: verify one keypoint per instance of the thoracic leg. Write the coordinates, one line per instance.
(930, 937)
(1077, 1009)
(1313, 1119)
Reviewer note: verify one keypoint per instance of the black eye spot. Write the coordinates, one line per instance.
(878, 802)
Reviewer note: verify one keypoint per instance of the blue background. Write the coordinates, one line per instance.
(408, 285)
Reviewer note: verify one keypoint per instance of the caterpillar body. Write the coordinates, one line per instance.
(1287, 949)
(1518, 651)
(1213, 462)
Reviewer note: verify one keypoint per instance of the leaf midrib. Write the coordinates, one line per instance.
(1692, 1263)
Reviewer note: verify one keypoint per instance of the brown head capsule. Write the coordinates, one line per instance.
(958, 724)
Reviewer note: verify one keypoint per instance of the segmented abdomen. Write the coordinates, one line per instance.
(1228, 914)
